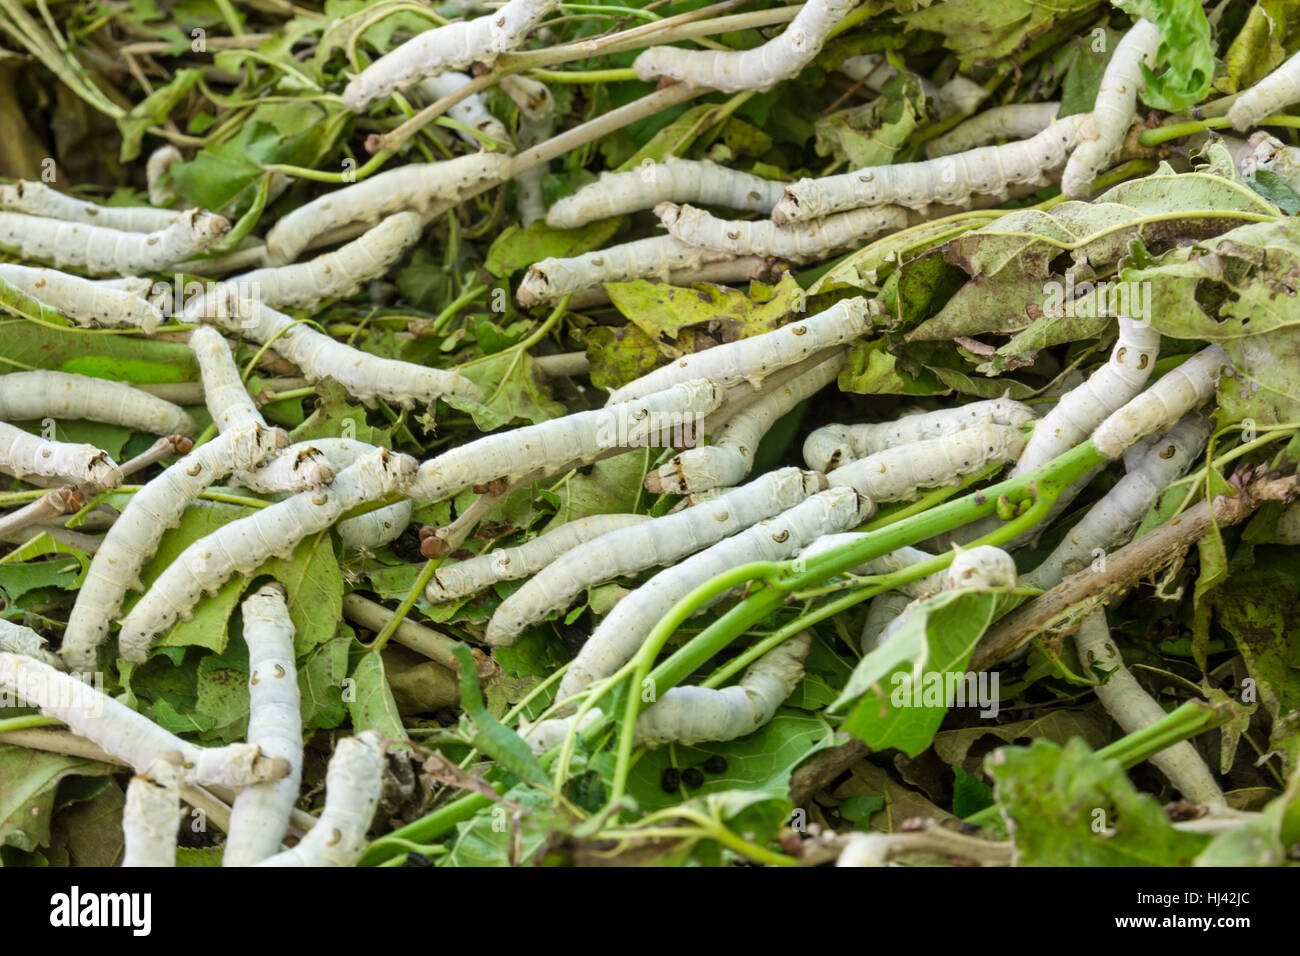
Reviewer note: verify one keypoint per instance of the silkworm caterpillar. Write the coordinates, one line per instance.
(452, 581)
(799, 242)
(984, 567)
(472, 110)
(550, 280)
(624, 628)
(353, 785)
(661, 541)
(152, 816)
(299, 467)
(1016, 121)
(415, 186)
(38, 199)
(454, 46)
(885, 608)
(25, 454)
(885, 564)
(155, 168)
(1274, 93)
(134, 536)
(756, 69)
(830, 446)
(729, 456)
(28, 396)
(755, 358)
(1083, 408)
(84, 301)
(368, 531)
(1266, 152)
(337, 274)
(536, 124)
(260, 814)
(366, 377)
(958, 96)
(665, 417)
(246, 543)
(1173, 396)
(126, 735)
(946, 179)
(16, 639)
(677, 180)
(1114, 109)
(100, 250)
(896, 474)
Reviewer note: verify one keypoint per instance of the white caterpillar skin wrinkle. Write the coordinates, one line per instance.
(38, 199)
(244, 545)
(368, 531)
(130, 737)
(885, 608)
(830, 446)
(1178, 392)
(620, 634)
(1016, 121)
(662, 418)
(984, 568)
(1083, 408)
(463, 578)
(415, 186)
(23, 454)
(16, 639)
(337, 274)
(756, 69)
(677, 180)
(800, 242)
(132, 540)
(472, 110)
(85, 301)
(28, 396)
(354, 783)
(155, 168)
(103, 251)
(729, 456)
(300, 467)
(885, 564)
(659, 542)
(366, 377)
(1274, 93)
(755, 358)
(1152, 466)
(896, 474)
(259, 817)
(1113, 111)
(454, 46)
(951, 180)
(152, 816)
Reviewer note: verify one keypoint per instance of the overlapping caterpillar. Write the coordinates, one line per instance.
(1169, 399)
(16, 639)
(1015, 121)
(38, 199)
(152, 815)
(1275, 92)
(24, 454)
(798, 242)
(28, 396)
(958, 95)
(471, 111)
(368, 531)
(536, 124)
(85, 301)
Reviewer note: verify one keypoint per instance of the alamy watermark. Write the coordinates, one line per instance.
(1086, 300)
(947, 689)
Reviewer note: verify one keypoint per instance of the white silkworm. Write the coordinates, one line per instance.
(84, 301)
(365, 377)
(884, 564)
(472, 110)
(299, 467)
(126, 735)
(1114, 109)
(452, 581)
(729, 456)
(625, 627)
(958, 96)
(1274, 93)
(536, 125)
(244, 545)
(830, 446)
(948, 179)
(38, 199)
(677, 180)
(1133, 709)
(28, 396)
(415, 186)
(757, 69)
(1159, 461)
(984, 567)
(227, 399)
(155, 168)
(260, 814)
(799, 242)
(885, 608)
(659, 542)
(1015, 121)
(1083, 408)
(25, 454)
(16, 639)
(152, 816)
(550, 280)
(667, 417)
(896, 474)
(354, 783)
(1169, 399)
(337, 274)
(368, 531)
(454, 46)
(1268, 153)
(134, 536)
(754, 358)
(100, 250)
